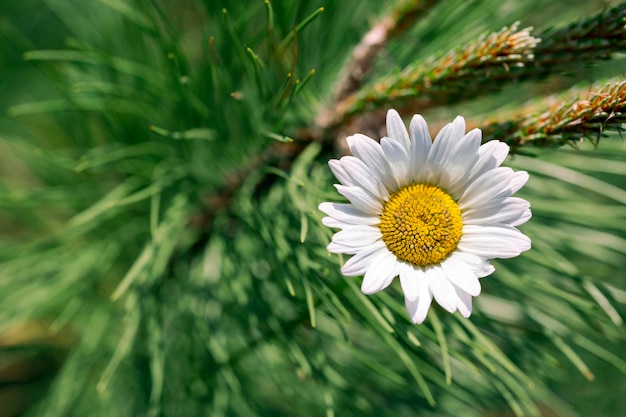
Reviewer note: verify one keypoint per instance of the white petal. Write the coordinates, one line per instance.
(480, 266)
(491, 185)
(360, 175)
(520, 178)
(446, 140)
(357, 236)
(459, 161)
(442, 289)
(370, 152)
(491, 155)
(382, 270)
(398, 158)
(396, 129)
(464, 302)
(511, 211)
(334, 247)
(497, 241)
(345, 214)
(339, 172)
(418, 308)
(461, 274)
(526, 215)
(496, 149)
(361, 199)
(359, 263)
(338, 224)
(409, 280)
(420, 146)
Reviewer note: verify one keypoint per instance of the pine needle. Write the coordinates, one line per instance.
(570, 118)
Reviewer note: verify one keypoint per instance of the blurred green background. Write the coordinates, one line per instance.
(119, 120)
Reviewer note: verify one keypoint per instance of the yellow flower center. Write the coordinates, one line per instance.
(421, 224)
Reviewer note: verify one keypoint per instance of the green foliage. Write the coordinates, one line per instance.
(161, 164)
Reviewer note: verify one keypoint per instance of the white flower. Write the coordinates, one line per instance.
(433, 213)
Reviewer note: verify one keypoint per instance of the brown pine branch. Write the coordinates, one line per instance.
(560, 120)
(391, 26)
(401, 17)
(487, 64)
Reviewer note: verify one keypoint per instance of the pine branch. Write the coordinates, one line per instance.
(491, 57)
(561, 121)
(391, 26)
(487, 64)
(581, 42)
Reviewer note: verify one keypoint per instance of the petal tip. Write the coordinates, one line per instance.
(459, 122)
(396, 128)
(418, 319)
(465, 313)
(367, 288)
(393, 113)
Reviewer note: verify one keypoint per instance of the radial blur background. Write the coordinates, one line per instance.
(128, 288)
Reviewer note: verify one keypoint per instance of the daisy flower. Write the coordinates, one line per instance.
(431, 212)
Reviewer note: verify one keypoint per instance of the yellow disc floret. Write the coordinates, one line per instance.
(421, 224)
